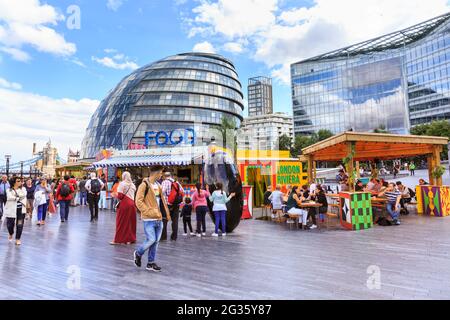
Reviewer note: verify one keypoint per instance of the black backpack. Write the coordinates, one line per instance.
(65, 190)
(382, 221)
(95, 186)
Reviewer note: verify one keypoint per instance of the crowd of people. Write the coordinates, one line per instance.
(290, 203)
(159, 199)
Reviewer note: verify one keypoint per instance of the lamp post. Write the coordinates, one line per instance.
(21, 169)
(7, 157)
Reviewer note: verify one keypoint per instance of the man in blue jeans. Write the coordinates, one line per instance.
(152, 205)
(393, 202)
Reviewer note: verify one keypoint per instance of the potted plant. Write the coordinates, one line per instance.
(438, 172)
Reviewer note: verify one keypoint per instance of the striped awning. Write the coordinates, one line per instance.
(142, 161)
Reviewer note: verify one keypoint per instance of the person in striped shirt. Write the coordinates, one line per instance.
(393, 201)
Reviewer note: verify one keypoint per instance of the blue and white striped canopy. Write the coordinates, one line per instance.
(143, 161)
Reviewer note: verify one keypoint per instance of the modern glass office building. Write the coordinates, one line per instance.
(395, 81)
(173, 101)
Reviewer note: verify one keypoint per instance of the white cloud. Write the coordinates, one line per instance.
(204, 47)
(114, 5)
(36, 118)
(236, 18)
(118, 61)
(280, 37)
(10, 85)
(16, 54)
(30, 23)
(233, 47)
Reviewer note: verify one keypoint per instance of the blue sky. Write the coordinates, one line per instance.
(52, 77)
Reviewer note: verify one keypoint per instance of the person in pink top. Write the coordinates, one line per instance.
(200, 206)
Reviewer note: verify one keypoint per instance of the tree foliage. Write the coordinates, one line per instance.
(302, 141)
(436, 128)
(284, 143)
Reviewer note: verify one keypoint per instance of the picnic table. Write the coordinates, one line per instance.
(305, 205)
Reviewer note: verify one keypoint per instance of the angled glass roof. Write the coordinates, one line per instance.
(389, 41)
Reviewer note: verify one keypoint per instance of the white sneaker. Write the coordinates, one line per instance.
(214, 235)
(184, 234)
(203, 233)
(192, 234)
(224, 234)
(313, 227)
(199, 234)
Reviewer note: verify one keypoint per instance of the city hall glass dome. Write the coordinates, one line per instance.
(173, 101)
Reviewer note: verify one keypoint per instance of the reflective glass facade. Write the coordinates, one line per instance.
(191, 90)
(395, 81)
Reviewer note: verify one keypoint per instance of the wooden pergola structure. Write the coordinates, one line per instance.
(361, 146)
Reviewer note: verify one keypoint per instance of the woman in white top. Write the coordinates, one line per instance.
(15, 208)
(219, 199)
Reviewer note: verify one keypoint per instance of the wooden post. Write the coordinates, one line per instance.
(314, 172)
(350, 168)
(358, 174)
(430, 169)
(437, 162)
(310, 168)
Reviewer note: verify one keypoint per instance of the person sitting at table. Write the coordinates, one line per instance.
(344, 185)
(276, 198)
(406, 197)
(423, 182)
(359, 187)
(393, 202)
(374, 185)
(383, 186)
(293, 205)
(306, 192)
(319, 196)
(266, 196)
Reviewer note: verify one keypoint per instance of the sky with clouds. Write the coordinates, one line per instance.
(56, 68)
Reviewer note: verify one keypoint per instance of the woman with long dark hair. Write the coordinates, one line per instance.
(15, 208)
(200, 205)
(292, 205)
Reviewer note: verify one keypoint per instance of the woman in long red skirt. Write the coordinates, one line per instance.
(126, 212)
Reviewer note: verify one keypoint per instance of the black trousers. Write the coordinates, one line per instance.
(312, 214)
(17, 222)
(93, 205)
(174, 214)
(201, 212)
(2, 203)
(187, 223)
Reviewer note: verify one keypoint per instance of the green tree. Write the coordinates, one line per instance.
(381, 129)
(300, 142)
(436, 128)
(228, 132)
(284, 143)
(322, 134)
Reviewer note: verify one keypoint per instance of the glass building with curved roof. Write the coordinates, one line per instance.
(173, 101)
(394, 81)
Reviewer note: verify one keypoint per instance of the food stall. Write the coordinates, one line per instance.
(263, 168)
(351, 147)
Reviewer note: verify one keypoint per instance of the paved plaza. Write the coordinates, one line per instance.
(260, 260)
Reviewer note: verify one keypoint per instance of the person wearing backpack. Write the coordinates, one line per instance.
(64, 195)
(83, 191)
(173, 193)
(93, 187)
(153, 207)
